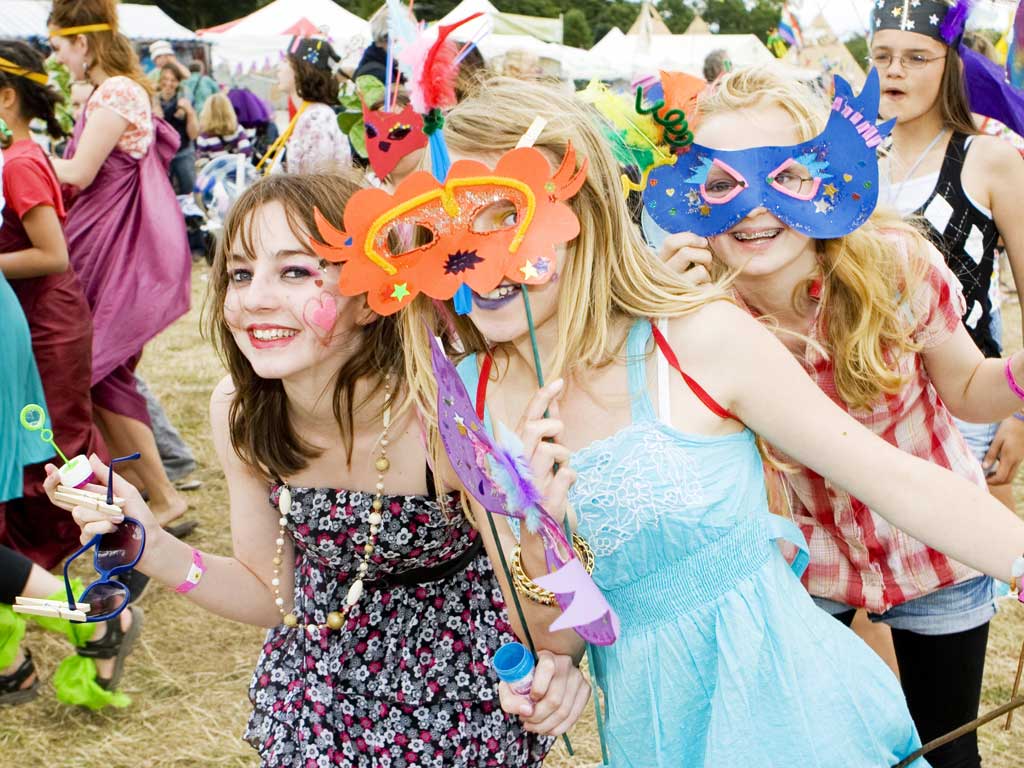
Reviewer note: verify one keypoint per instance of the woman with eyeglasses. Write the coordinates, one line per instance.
(960, 185)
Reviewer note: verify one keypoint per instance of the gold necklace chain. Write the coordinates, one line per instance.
(336, 619)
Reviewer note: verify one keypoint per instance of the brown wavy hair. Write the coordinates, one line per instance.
(261, 434)
(313, 83)
(110, 50)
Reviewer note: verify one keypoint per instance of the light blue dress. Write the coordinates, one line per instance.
(723, 659)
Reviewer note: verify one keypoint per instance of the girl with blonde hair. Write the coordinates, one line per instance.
(219, 131)
(723, 658)
(874, 317)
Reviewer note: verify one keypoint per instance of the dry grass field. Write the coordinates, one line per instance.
(188, 676)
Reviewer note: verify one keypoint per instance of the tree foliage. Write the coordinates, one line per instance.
(576, 29)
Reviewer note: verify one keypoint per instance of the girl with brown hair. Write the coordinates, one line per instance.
(960, 185)
(384, 610)
(126, 240)
(313, 142)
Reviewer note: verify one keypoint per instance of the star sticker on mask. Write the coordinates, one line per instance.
(880, 4)
(909, 25)
(915, 3)
(461, 423)
(933, 20)
(693, 197)
(897, 11)
(830, 190)
(705, 210)
(542, 265)
(529, 271)
(401, 291)
(821, 206)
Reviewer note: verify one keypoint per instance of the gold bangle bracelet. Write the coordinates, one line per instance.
(529, 589)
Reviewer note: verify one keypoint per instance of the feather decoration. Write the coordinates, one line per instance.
(430, 67)
(515, 477)
(639, 133)
(401, 25)
(955, 22)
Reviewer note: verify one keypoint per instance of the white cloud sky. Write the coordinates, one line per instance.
(850, 17)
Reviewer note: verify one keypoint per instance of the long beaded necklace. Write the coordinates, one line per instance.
(336, 619)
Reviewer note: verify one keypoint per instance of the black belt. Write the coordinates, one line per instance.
(427, 574)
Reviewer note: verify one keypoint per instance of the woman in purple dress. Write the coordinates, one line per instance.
(125, 235)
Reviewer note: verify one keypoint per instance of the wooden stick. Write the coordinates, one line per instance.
(1016, 687)
(961, 731)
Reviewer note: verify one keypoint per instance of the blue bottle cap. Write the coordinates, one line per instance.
(513, 662)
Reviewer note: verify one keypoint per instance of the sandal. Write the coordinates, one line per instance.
(11, 690)
(116, 644)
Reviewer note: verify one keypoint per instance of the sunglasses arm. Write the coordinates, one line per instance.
(67, 564)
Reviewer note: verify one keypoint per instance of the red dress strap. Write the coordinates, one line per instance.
(481, 385)
(702, 395)
(670, 356)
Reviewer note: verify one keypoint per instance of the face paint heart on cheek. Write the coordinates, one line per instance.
(321, 315)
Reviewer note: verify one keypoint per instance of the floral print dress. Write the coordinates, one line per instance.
(408, 680)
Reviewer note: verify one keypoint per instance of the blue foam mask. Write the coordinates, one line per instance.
(824, 188)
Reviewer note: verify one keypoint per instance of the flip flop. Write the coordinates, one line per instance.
(188, 485)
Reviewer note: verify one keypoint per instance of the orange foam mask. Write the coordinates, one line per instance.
(480, 227)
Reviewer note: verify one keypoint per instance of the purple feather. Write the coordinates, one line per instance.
(956, 20)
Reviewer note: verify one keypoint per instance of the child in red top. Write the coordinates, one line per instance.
(34, 258)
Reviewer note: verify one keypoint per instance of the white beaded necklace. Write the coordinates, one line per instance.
(336, 619)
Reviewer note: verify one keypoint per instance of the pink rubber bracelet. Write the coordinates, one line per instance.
(1014, 386)
(195, 574)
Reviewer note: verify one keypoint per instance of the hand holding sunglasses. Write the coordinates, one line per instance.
(116, 552)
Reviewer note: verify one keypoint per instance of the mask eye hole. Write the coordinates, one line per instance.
(399, 132)
(371, 132)
(795, 180)
(499, 215)
(405, 237)
(722, 184)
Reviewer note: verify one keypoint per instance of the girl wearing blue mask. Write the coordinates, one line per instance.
(873, 315)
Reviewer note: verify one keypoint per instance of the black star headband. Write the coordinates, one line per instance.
(942, 21)
(313, 50)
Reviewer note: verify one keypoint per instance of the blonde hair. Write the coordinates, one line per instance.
(608, 273)
(218, 117)
(866, 276)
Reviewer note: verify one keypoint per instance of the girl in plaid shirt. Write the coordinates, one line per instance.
(874, 318)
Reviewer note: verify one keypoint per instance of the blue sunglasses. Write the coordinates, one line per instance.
(116, 552)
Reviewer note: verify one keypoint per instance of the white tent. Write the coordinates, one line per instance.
(27, 18)
(501, 24)
(683, 53)
(258, 41)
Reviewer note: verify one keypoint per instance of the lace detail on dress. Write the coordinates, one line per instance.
(620, 492)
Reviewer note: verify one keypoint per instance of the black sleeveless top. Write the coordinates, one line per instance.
(967, 238)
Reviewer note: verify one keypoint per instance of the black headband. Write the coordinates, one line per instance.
(939, 20)
(313, 50)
